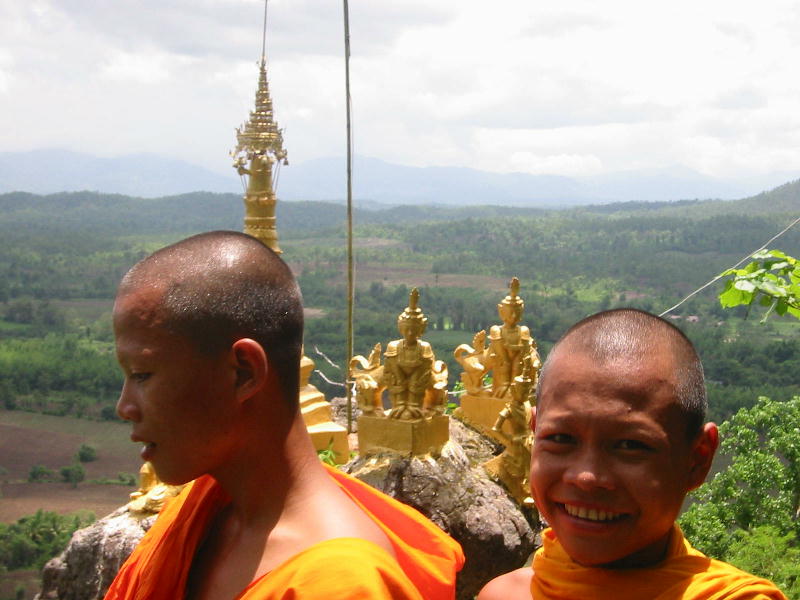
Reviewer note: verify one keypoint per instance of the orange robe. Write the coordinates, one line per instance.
(684, 574)
(425, 567)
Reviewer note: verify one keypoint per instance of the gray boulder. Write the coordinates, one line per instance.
(478, 447)
(88, 565)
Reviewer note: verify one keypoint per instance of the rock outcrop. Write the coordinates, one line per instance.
(86, 568)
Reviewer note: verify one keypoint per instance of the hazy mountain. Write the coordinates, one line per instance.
(375, 182)
(145, 175)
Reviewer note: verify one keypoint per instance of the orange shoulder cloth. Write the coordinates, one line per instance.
(685, 574)
(426, 565)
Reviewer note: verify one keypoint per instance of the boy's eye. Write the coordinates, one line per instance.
(560, 438)
(632, 445)
(140, 377)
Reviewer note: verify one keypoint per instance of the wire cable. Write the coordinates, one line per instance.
(718, 277)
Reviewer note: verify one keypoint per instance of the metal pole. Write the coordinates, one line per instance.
(350, 282)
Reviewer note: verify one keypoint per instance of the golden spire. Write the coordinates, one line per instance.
(513, 298)
(413, 312)
(258, 155)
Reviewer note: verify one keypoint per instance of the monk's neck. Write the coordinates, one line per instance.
(644, 558)
(267, 477)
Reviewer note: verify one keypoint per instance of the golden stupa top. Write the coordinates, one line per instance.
(260, 135)
(513, 298)
(413, 312)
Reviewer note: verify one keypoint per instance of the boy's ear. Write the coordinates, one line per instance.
(251, 365)
(702, 455)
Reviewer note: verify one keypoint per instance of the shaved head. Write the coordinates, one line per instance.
(634, 334)
(222, 286)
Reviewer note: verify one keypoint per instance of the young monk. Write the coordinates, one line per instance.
(208, 334)
(619, 439)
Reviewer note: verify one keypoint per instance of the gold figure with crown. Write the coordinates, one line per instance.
(511, 350)
(512, 426)
(416, 384)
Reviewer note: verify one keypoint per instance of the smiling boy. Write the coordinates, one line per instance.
(208, 334)
(620, 438)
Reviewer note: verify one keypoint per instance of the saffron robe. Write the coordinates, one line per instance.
(425, 567)
(685, 574)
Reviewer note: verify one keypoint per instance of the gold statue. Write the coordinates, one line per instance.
(510, 351)
(259, 153)
(152, 493)
(512, 467)
(408, 363)
(368, 376)
(416, 383)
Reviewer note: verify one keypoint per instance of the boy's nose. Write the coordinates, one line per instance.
(126, 407)
(588, 472)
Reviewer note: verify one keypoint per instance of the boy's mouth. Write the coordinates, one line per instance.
(592, 514)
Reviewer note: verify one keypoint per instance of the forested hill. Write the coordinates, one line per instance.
(199, 211)
(62, 256)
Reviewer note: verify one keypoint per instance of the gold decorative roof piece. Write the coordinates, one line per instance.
(261, 135)
(257, 158)
(413, 312)
(513, 294)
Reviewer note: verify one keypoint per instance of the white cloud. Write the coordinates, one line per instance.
(582, 87)
(126, 67)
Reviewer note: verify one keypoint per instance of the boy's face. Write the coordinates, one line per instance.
(611, 462)
(177, 400)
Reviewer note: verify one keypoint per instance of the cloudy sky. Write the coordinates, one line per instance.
(571, 88)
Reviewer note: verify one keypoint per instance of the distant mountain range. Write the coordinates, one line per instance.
(375, 182)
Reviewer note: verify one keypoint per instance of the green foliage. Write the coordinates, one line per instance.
(764, 550)
(127, 478)
(327, 455)
(772, 279)
(86, 453)
(57, 360)
(33, 540)
(73, 474)
(7, 398)
(39, 473)
(755, 499)
(70, 374)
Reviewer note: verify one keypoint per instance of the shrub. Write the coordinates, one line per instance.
(73, 474)
(86, 453)
(40, 473)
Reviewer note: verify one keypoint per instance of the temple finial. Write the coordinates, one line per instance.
(257, 157)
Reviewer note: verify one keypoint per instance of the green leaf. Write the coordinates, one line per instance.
(769, 287)
(778, 265)
(734, 297)
(751, 267)
(744, 285)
